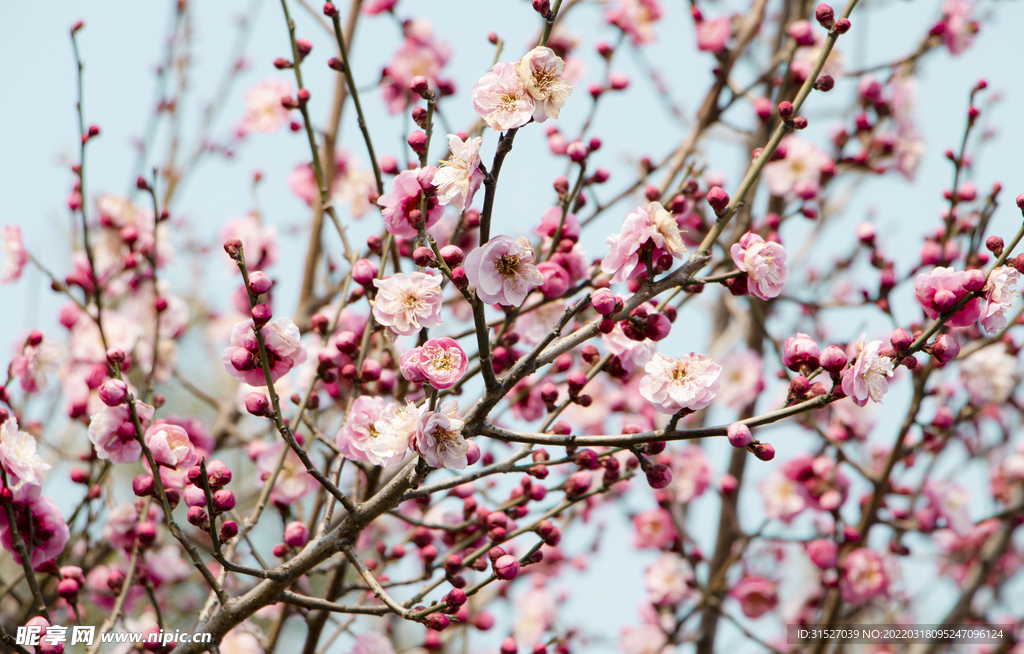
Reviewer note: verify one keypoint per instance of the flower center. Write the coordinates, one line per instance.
(508, 265)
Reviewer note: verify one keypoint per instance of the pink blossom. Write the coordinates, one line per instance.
(799, 173)
(408, 302)
(989, 375)
(866, 378)
(113, 433)
(636, 18)
(372, 643)
(689, 382)
(823, 553)
(540, 73)
(533, 326)
(549, 224)
(407, 196)
(691, 474)
(20, 459)
(503, 271)
(438, 438)
(999, 295)
(742, 379)
(395, 429)
(41, 525)
(631, 354)
(668, 579)
(713, 34)
(952, 502)
(293, 482)
(535, 610)
(171, 446)
(34, 366)
(782, 497)
(863, 576)
(938, 282)
(17, 256)
(764, 263)
(756, 596)
(259, 242)
(501, 100)
(958, 28)
(420, 56)
(645, 639)
(441, 362)
(284, 347)
(646, 224)
(359, 430)
(654, 529)
(459, 177)
(263, 110)
(378, 6)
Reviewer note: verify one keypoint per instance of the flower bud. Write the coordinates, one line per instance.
(258, 405)
(228, 530)
(945, 348)
(786, 110)
(115, 356)
(452, 255)
(576, 151)
(223, 500)
(424, 257)
(994, 245)
(843, 25)
(832, 359)
(974, 280)
(823, 553)
(438, 621)
(418, 141)
(371, 370)
(728, 483)
(718, 199)
(509, 646)
(68, 589)
(577, 484)
(296, 534)
(944, 300)
(825, 16)
(659, 476)
(900, 340)
(739, 435)
(764, 451)
(459, 278)
(261, 314)
(146, 533)
(259, 282)
(420, 86)
(506, 567)
(113, 392)
(197, 517)
(604, 301)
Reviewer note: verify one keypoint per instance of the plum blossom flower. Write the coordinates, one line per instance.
(654, 529)
(552, 218)
(713, 34)
(799, 173)
(645, 639)
(395, 429)
(867, 377)
(408, 302)
(284, 346)
(668, 579)
(957, 27)
(1002, 289)
(360, 429)
(438, 438)
(406, 197)
(863, 576)
(952, 502)
(263, 110)
(937, 284)
(636, 18)
(20, 459)
(989, 375)
(113, 433)
(293, 482)
(742, 378)
(41, 525)
(535, 609)
(171, 446)
(764, 263)
(691, 474)
(631, 353)
(35, 364)
(756, 596)
(420, 56)
(646, 224)
(17, 256)
(503, 270)
(459, 177)
(540, 73)
(372, 643)
(440, 361)
(782, 497)
(689, 382)
(501, 99)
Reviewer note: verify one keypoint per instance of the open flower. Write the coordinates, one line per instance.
(503, 270)
(403, 205)
(438, 438)
(170, 446)
(395, 429)
(756, 596)
(988, 375)
(1001, 291)
(764, 263)
(285, 350)
(799, 172)
(651, 224)
(113, 433)
(20, 459)
(459, 177)
(636, 18)
(408, 302)
(35, 364)
(540, 72)
(689, 382)
(293, 482)
(863, 575)
(440, 361)
(867, 377)
(264, 112)
(41, 526)
(933, 287)
(359, 430)
(16, 257)
(668, 579)
(501, 100)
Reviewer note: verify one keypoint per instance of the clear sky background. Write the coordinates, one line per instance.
(123, 42)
